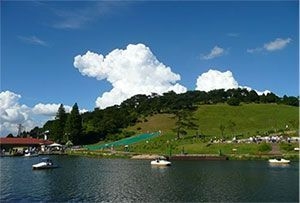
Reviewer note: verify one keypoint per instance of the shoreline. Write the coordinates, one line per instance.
(192, 157)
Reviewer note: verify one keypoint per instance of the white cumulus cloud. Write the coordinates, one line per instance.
(214, 79)
(133, 70)
(215, 52)
(47, 109)
(275, 45)
(8, 99)
(51, 109)
(13, 113)
(265, 92)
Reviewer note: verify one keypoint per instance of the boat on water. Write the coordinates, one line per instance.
(279, 161)
(30, 154)
(46, 163)
(161, 161)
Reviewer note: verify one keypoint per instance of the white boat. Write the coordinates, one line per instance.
(279, 161)
(45, 164)
(160, 161)
(30, 154)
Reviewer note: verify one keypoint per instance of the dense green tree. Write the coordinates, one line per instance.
(56, 127)
(271, 98)
(292, 101)
(73, 128)
(9, 135)
(35, 132)
(197, 97)
(263, 98)
(184, 121)
(61, 113)
(217, 96)
(253, 96)
(24, 134)
(61, 117)
(53, 127)
(167, 101)
(233, 101)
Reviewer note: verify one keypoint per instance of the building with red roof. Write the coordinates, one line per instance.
(8, 143)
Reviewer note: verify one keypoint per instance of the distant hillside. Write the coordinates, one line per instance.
(231, 112)
(246, 120)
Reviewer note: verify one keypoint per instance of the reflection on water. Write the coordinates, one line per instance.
(276, 165)
(119, 180)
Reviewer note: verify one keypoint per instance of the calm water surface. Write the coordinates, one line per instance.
(120, 180)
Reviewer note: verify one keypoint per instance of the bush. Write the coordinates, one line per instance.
(128, 133)
(233, 101)
(264, 147)
(286, 147)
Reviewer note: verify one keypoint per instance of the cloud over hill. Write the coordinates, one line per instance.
(133, 70)
(214, 79)
(12, 113)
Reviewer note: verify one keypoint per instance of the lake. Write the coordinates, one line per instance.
(86, 179)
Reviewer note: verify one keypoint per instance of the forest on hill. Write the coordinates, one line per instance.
(113, 122)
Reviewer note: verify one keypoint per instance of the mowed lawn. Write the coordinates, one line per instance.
(155, 123)
(248, 119)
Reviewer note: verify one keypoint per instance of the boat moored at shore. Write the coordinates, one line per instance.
(279, 161)
(161, 161)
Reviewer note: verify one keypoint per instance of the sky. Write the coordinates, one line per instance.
(100, 53)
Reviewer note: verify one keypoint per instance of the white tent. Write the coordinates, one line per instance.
(55, 145)
(69, 143)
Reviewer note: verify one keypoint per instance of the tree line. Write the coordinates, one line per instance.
(109, 123)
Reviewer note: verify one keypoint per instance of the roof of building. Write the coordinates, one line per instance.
(24, 141)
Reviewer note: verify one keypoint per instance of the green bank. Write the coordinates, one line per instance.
(217, 125)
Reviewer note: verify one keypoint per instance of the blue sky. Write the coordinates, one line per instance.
(200, 44)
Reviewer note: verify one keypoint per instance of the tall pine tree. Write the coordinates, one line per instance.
(184, 121)
(73, 128)
(57, 133)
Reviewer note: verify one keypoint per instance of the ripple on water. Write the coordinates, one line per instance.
(82, 179)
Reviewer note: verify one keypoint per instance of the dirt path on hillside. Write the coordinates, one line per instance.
(275, 149)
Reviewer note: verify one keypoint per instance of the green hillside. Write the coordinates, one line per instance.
(162, 122)
(248, 119)
(241, 121)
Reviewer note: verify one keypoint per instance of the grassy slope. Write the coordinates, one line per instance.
(163, 122)
(249, 119)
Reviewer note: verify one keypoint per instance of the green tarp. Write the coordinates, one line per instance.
(125, 141)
